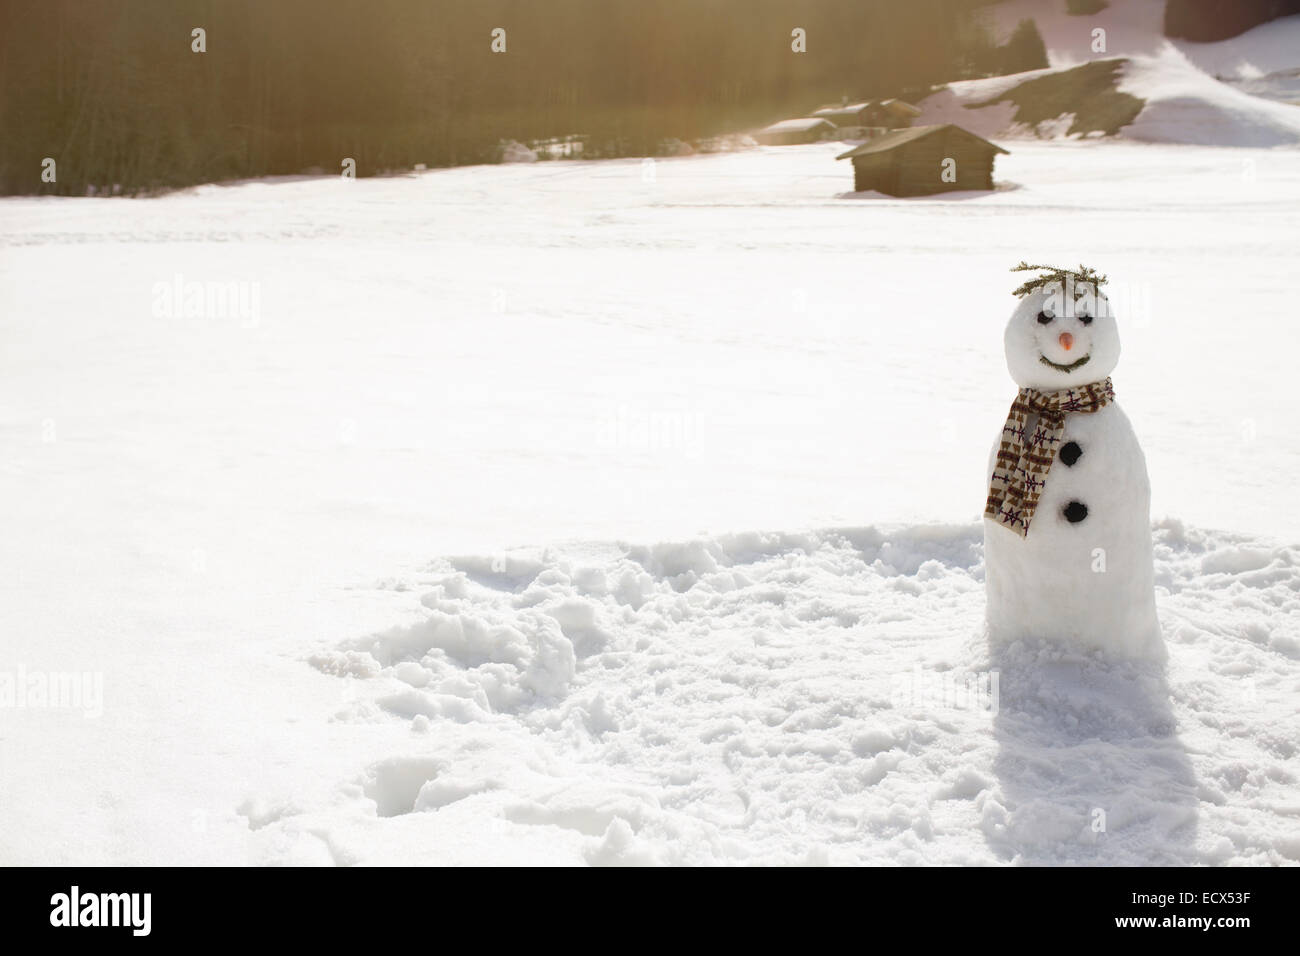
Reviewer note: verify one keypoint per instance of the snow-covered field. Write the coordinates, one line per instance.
(605, 512)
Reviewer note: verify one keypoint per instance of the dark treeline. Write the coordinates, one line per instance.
(113, 92)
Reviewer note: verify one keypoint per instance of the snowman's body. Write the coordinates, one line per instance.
(1082, 574)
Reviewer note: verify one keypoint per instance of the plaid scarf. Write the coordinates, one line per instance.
(1023, 459)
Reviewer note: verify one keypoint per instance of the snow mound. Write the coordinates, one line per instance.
(1229, 93)
(815, 697)
(1186, 105)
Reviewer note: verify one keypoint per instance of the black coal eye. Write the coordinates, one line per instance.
(1044, 318)
(1086, 319)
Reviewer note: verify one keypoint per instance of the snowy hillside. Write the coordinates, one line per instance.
(622, 512)
(1237, 92)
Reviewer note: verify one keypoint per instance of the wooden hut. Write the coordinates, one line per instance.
(914, 162)
(792, 131)
(894, 113)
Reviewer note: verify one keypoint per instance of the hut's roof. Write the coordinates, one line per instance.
(797, 125)
(900, 137)
(901, 107)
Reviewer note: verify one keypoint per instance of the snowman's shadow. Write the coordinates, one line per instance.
(1090, 767)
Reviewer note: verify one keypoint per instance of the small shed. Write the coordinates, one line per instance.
(914, 162)
(792, 131)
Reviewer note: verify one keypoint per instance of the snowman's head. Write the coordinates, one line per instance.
(1061, 336)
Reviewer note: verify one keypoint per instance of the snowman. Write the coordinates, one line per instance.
(1067, 530)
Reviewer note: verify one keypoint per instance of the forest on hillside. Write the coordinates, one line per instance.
(117, 93)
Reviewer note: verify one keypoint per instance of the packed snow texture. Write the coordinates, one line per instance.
(819, 697)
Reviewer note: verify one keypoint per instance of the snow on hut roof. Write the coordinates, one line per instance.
(797, 125)
(900, 136)
(846, 108)
(900, 106)
(893, 105)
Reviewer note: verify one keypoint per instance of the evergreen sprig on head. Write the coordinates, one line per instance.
(1054, 274)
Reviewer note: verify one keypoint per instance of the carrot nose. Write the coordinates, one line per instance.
(1066, 340)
